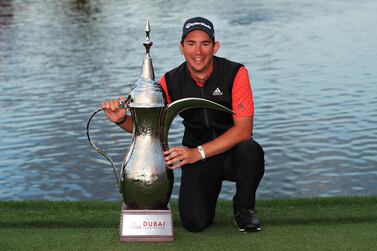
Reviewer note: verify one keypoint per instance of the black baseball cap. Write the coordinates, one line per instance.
(198, 23)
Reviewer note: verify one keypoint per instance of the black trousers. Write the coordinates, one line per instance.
(201, 183)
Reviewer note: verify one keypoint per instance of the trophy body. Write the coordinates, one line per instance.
(145, 180)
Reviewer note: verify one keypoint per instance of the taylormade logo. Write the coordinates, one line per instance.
(198, 23)
(217, 92)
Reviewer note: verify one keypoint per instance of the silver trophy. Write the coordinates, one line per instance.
(144, 180)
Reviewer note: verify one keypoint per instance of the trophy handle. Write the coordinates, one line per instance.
(98, 149)
(181, 105)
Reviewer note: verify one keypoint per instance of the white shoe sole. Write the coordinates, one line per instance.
(243, 230)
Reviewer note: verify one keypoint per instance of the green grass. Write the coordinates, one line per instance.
(348, 223)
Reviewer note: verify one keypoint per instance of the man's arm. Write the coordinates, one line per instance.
(116, 114)
(242, 130)
(239, 132)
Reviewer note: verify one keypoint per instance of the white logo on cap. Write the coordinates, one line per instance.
(198, 23)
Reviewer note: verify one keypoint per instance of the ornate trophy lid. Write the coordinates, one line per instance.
(146, 92)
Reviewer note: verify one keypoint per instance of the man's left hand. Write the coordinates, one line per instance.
(178, 156)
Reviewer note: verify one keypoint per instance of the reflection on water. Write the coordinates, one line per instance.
(312, 66)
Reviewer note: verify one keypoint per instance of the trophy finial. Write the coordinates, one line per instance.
(147, 28)
(146, 92)
(147, 43)
(147, 71)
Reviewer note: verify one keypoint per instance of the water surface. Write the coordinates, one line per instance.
(312, 67)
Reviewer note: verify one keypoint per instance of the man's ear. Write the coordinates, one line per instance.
(181, 48)
(216, 47)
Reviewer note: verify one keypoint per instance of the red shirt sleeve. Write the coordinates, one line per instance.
(242, 96)
(165, 89)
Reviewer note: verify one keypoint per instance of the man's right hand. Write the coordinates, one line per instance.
(112, 110)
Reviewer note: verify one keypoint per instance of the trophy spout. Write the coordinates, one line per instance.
(181, 105)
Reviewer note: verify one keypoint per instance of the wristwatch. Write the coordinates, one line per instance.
(202, 153)
(122, 120)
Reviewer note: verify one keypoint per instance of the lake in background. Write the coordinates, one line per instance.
(313, 69)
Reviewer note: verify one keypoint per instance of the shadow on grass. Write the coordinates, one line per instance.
(59, 224)
(45, 214)
(322, 220)
(224, 222)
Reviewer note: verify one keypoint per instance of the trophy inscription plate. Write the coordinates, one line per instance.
(146, 225)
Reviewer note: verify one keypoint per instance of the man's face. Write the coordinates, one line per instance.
(198, 50)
